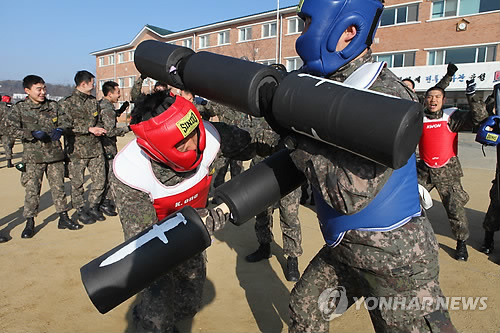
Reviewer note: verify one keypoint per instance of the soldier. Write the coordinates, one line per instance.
(108, 115)
(39, 123)
(289, 218)
(8, 142)
(491, 223)
(400, 262)
(83, 147)
(439, 166)
(156, 174)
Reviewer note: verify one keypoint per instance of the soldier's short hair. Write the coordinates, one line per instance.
(83, 76)
(30, 80)
(411, 81)
(435, 88)
(108, 86)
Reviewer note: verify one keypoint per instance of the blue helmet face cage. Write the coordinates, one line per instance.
(488, 132)
(329, 19)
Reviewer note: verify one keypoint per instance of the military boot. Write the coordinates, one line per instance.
(108, 208)
(292, 269)
(3, 239)
(29, 229)
(66, 223)
(96, 214)
(9, 164)
(263, 252)
(488, 246)
(83, 216)
(461, 251)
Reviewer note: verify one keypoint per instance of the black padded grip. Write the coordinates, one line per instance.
(252, 191)
(110, 282)
(156, 59)
(375, 126)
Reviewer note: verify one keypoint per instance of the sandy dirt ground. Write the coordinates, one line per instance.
(41, 290)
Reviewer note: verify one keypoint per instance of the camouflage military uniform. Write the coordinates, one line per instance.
(7, 141)
(178, 293)
(230, 117)
(84, 149)
(398, 263)
(136, 90)
(108, 120)
(39, 157)
(491, 221)
(446, 179)
(288, 205)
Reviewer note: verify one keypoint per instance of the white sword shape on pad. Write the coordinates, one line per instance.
(158, 231)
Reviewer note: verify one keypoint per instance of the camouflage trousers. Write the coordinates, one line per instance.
(221, 165)
(454, 198)
(8, 144)
(289, 223)
(172, 297)
(32, 179)
(97, 171)
(491, 221)
(404, 299)
(107, 194)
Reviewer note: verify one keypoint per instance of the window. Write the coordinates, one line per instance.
(293, 64)
(245, 34)
(399, 15)
(448, 8)
(405, 59)
(121, 82)
(204, 41)
(188, 43)
(223, 37)
(269, 30)
(112, 59)
(131, 55)
(463, 55)
(267, 62)
(101, 61)
(101, 83)
(131, 81)
(121, 57)
(295, 25)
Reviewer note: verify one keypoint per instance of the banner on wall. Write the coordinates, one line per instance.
(486, 75)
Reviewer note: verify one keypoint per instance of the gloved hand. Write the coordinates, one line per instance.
(471, 87)
(214, 218)
(122, 108)
(452, 69)
(41, 135)
(56, 134)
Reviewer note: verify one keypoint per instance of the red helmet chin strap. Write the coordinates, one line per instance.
(159, 135)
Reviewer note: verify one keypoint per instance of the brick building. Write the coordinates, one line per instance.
(416, 38)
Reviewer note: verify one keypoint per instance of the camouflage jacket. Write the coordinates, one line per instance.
(348, 183)
(83, 112)
(452, 171)
(26, 117)
(136, 90)
(4, 111)
(141, 214)
(108, 120)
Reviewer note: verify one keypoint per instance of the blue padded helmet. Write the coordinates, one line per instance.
(488, 132)
(329, 19)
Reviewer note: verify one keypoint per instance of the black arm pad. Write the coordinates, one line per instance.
(376, 126)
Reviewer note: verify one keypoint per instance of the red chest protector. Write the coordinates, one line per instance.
(438, 143)
(133, 168)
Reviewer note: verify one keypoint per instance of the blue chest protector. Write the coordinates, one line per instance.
(396, 204)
